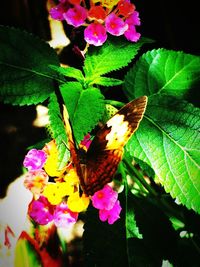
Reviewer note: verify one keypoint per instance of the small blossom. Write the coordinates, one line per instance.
(58, 11)
(36, 181)
(86, 141)
(53, 193)
(108, 3)
(111, 215)
(71, 177)
(97, 13)
(51, 164)
(125, 8)
(78, 203)
(95, 34)
(34, 159)
(41, 211)
(115, 25)
(131, 34)
(63, 216)
(104, 198)
(133, 19)
(76, 16)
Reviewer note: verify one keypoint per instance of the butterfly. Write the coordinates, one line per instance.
(98, 165)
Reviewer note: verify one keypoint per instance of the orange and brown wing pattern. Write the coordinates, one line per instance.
(106, 149)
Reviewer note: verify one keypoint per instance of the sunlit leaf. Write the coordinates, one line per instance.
(85, 107)
(168, 140)
(113, 55)
(162, 71)
(58, 130)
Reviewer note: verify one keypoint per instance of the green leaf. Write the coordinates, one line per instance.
(162, 71)
(85, 107)
(113, 55)
(58, 130)
(70, 72)
(131, 225)
(25, 77)
(105, 81)
(168, 140)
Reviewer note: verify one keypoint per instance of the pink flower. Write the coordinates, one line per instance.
(35, 159)
(63, 216)
(76, 16)
(131, 34)
(115, 25)
(104, 198)
(86, 141)
(95, 34)
(58, 11)
(111, 215)
(133, 19)
(41, 211)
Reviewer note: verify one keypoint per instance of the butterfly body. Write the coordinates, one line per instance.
(97, 166)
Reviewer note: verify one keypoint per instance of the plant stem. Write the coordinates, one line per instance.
(139, 176)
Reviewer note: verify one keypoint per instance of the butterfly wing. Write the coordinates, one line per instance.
(72, 147)
(106, 149)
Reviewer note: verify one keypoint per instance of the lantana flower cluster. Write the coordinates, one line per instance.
(56, 193)
(99, 17)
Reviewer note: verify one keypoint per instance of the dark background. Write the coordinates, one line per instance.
(173, 24)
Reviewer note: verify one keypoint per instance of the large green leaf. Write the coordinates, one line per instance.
(113, 55)
(162, 71)
(58, 131)
(168, 140)
(25, 77)
(85, 107)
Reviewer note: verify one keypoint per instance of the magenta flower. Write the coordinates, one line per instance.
(63, 216)
(76, 16)
(35, 159)
(95, 34)
(58, 11)
(104, 198)
(133, 19)
(131, 34)
(115, 25)
(86, 141)
(41, 211)
(111, 215)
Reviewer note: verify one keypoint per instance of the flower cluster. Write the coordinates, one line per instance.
(56, 194)
(116, 17)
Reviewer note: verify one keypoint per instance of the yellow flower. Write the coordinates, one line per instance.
(65, 189)
(109, 3)
(71, 177)
(76, 203)
(51, 165)
(51, 192)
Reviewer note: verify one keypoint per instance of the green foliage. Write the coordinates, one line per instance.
(25, 76)
(85, 107)
(163, 71)
(169, 144)
(58, 131)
